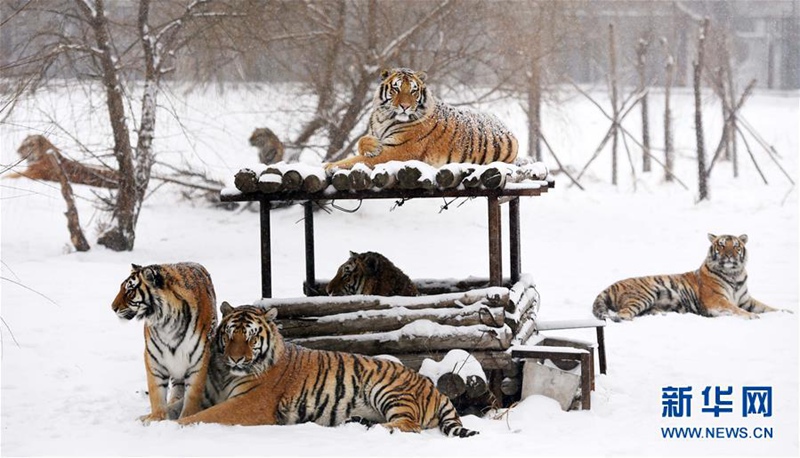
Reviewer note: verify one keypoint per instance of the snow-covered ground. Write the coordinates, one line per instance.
(72, 373)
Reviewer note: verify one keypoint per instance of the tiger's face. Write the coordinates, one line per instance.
(402, 94)
(727, 253)
(246, 338)
(136, 298)
(350, 277)
(34, 148)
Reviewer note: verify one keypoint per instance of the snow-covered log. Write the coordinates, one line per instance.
(418, 336)
(451, 385)
(360, 177)
(382, 177)
(271, 180)
(416, 175)
(246, 180)
(341, 180)
(488, 359)
(493, 177)
(389, 320)
(476, 387)
(313, 183)
(292, 180)
(306, 307)
(450, 175)
(411, 175)
(473, 180)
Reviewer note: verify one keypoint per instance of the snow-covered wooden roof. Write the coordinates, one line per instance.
(393, 179)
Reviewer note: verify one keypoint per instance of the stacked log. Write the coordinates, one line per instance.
(460, 377)
(297, 177)
(480, 322)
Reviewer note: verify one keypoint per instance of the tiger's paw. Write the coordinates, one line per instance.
(405, 425)
(369, 146)
(147, 419)
(374, 153)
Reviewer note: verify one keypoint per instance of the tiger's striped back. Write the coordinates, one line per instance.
(178, 305)
(409, 123)
(718, 287)
(270, 381)
(370, 273)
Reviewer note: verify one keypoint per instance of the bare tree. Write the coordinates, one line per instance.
(83, 38)
(348, 43)
(698, 110)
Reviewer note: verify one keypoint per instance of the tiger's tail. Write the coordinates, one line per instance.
(449, 422)
(601, 309)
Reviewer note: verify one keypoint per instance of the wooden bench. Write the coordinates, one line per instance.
(584, 356)
(555, 325)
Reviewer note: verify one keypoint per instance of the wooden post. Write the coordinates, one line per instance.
(514, 239)
(586, 381)
(309, 236)
(601, 348)
(266, 250)
(495, 242)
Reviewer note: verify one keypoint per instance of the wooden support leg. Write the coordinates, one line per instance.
(601, 348)
(586, 382)
(495, 243)
(514, 239)
(266, 251)
(309, 235)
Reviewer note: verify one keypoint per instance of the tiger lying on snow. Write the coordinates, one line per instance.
(718, 287)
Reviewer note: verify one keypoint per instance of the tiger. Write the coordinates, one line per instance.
(38, 151)
(718, 287)
(370, 273)
(408, 123)
(178, 305)
(270, 148)
(263, 380)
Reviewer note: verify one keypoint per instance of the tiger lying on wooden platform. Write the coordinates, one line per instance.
(408, 123)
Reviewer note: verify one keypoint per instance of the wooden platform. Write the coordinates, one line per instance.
(496, 182)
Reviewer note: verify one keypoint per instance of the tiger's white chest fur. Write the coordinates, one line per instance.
(175, 347)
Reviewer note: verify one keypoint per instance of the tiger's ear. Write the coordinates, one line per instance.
(711, 237)
(135, 268)
(271, 313)
(422, 76)
(743, 238)
(225, 308)
(385, 73)
(373, 265)
(154, 277)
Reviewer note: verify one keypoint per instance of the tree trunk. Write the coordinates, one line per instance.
(641, 53)
(669, 156)
(73, 222)
(534, 110)
(698, 116)
(612, 52)
(121, 237)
